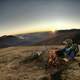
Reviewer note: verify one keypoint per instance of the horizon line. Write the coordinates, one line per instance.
(38, 32)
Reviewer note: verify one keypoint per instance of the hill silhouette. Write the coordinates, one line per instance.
(40, 38)
(10, 40)
(61, 35)
(26, 39)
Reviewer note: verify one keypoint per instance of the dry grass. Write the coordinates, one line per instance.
(11, 67)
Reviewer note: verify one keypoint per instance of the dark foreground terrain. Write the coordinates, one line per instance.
(14, 65)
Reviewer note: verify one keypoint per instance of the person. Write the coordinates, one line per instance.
(70, 50)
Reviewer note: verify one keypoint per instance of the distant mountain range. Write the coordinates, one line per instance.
(62, 35)
(40, 38)
(23, 39)
(6, 41)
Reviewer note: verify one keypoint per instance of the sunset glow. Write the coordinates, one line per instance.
(27, 16)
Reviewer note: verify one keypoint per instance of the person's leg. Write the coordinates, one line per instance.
(71, 56)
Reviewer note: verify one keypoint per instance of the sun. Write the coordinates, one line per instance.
(53, 29)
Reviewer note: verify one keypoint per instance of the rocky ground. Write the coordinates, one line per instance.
(14, 65)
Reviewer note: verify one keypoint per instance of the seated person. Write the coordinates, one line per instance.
(70, 50)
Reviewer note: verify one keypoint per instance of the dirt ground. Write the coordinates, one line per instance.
(13, 67)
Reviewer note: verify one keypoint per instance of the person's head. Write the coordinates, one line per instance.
(68, 41)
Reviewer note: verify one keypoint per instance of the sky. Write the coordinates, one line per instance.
(25, 16)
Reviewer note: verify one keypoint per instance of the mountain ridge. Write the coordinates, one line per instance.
(61, 35)
(40, 38)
